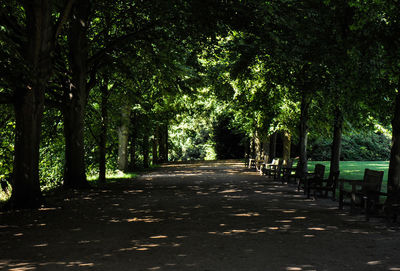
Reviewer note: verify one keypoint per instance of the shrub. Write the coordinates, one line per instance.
(366, 146)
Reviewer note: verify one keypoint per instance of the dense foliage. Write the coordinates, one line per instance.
(367, 146)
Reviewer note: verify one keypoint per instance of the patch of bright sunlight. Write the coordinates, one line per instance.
(114, 175)
(374, 262)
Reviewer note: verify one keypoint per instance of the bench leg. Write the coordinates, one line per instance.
(340, 200)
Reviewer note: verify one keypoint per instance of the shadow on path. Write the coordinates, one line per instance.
(194, 216)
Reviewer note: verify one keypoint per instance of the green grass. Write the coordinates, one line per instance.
(354, 170)
(114, 175)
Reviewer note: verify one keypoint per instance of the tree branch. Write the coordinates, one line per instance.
(123, 40)
(63, 17)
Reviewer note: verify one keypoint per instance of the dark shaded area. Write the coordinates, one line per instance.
(194, 216)
(228, 138)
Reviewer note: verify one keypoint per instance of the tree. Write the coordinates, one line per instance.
(30, 31)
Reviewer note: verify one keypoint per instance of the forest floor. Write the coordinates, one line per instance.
(195, 216)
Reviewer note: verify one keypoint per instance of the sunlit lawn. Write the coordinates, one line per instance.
(354, 170)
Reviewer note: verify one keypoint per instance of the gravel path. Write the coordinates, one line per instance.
(197, 216)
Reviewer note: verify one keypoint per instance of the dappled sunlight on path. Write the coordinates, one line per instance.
(194, 216)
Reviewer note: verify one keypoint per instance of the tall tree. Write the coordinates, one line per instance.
(31, 29)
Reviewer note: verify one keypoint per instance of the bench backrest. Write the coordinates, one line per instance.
(319, 171)
(373, 180)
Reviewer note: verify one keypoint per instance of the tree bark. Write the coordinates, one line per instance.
(166, 144)
(304, 108)
(29, 104)
(337, 141)
(103, 132)
(123, 136)
(76, 99)
(145, 148)
(133, 139)
(257, 144)
(287, 142)
(163, 143)
(26, 191)
(252, 147)
(394, 165)
(266, 148)
(155, 146)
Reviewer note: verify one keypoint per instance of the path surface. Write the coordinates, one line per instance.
(201, 216)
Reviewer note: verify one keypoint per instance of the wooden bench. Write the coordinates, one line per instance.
(326, 185)
(311, 178)
(364, 193)
(268, 168)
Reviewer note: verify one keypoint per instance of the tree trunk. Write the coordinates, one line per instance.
(103, 133)
(394, 165)
(145, 148)
(74, 169)
(155, 146)
(163, 143)
(337, 141)
(26, 191)
(247, 150)
(123, 136)
(304, 107)
(252, 147)
(257, 144)
(166, 144)
(273, 145)
(29, 104)
(287, 142)
(76, 99)
(133, 139)
(266, 148)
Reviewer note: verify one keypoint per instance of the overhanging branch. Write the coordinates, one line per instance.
(123, 40)
(63, 17)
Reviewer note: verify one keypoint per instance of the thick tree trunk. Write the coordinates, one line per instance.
(28, 114)
(29, 104)
(252, 147)
(304, 107)
(76, 99)
(74, 169)
(337, 141)
(287, 142)
(266, 148)
(103, 133)
(123, 136)
(394, 165)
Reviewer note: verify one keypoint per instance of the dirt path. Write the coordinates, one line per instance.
(200, 216)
